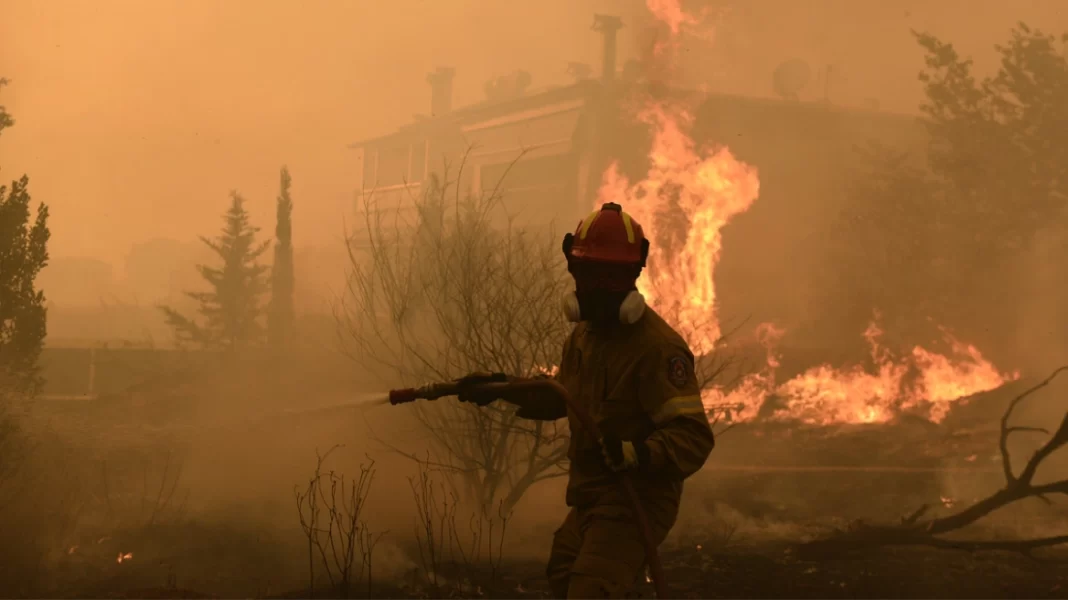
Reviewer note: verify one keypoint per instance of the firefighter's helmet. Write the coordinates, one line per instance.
(608, 235)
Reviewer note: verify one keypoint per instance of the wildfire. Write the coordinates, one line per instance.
(124, 556)
(683, 203)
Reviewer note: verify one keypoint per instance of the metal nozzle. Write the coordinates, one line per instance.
(403, 396)
(426, 392)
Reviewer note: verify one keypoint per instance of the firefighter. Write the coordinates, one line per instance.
(635, 375)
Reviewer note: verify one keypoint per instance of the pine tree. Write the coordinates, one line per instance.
(231, 309)
(23, 253)
(280, 312)
(5, 118)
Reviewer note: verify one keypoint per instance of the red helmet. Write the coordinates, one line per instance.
(610, 236)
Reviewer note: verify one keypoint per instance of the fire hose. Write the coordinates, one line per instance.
(434, 391)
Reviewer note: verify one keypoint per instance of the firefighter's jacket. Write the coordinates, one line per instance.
(638, 382)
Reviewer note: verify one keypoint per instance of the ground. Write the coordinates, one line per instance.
(737, 537)
(773, 572)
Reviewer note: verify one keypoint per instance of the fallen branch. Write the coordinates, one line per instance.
(914, 530)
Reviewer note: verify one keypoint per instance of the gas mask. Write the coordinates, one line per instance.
(604, 307)
(605, 294)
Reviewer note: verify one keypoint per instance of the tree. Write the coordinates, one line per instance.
(23, 253)
(998, 144)
(231, 309)
(938, 228)
(5, 118)
(280, 315)
(449, 293)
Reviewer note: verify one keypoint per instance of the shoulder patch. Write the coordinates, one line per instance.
(678, 371)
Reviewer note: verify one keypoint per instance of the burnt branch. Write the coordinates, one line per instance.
(914, 530)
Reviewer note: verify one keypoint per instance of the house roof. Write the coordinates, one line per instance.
(550, 115)
(490, 114)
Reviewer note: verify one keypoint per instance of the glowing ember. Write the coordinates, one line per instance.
(550, 371)
(124, 557)
(683, 203)
(72, 550)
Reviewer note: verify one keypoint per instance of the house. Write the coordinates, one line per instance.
(556, 143)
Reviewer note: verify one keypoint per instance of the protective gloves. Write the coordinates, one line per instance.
(469, 392)
(622, 455)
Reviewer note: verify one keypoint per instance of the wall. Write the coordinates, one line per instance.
(807, 159)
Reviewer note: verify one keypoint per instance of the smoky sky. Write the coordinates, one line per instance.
(135, 118)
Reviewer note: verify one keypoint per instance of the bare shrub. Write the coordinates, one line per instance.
(136, 496)
(458, 556)
(452, 291)
(40, 506)
(331, 510)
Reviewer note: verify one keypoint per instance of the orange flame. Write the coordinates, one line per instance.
(700, 193)
(670, 13)
(683, 203)
(124, 557)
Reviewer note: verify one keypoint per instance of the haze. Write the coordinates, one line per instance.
(134, 119)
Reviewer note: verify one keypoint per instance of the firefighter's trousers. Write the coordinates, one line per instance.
(598, 552)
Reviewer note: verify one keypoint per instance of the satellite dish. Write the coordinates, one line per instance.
(790, 78)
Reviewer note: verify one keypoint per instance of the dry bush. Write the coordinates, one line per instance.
(459, 557)
(141, 493)
(453, 291)
(40, 505)
(331, 515)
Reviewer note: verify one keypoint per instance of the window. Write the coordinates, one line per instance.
(530, 173)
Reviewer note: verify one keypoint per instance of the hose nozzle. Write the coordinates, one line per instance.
(403, 396)
(432, 391)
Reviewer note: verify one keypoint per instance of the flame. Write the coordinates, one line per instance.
(683, 202)
(688, 192)
(549, 371)
(124, 557)
(72, 549)
(671, 14)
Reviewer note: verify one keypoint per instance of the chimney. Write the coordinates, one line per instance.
(608, 25)
(440, 90)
